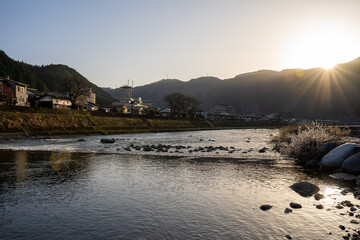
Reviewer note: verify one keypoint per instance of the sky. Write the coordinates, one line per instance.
(111, 42)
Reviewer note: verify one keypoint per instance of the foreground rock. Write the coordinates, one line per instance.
(107, 140)
(326, 148)
(352, 164)
(305, 189)
(265, 207)
(335, 157)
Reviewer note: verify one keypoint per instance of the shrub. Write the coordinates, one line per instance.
(303, 142)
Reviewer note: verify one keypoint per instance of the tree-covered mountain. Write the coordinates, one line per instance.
(313, 93)
(47, 78)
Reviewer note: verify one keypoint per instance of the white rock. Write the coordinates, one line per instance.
(335, 157)
(344, 176)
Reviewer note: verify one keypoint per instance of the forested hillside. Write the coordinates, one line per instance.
(46, 78)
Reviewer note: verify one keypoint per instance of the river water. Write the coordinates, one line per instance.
(62, 188)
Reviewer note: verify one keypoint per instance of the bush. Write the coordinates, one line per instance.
(302, 142)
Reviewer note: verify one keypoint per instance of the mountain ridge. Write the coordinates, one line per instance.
(313, 93)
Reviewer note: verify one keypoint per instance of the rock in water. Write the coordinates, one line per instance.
(352, 164)
(319, 206)
(107, 140)
(344, 176)
(318, 196)
(288, 210)
(326, 148)
(295, 205)
(305, 189)
(335, 157)
(288, 236)
(265, 207)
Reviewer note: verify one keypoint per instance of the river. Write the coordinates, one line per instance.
(63, 188)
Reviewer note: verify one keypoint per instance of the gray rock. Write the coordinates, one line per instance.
(344, 176)
(288, 237)
(326, 148)
(335, 157)
(305, 189)
(352, 164)
(354, 222)
(295, 205)
(342, 227)
(288, 210)
(265, 207)
(353, 209)
(81, 140)
(107, 140)
(312, 164)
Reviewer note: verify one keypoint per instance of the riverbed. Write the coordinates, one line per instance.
(80, 188)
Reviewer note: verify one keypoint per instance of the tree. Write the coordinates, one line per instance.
(182, 105)
(6, 94)
(74, 89)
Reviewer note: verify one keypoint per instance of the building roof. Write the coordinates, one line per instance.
(13, 81)
(55, 95)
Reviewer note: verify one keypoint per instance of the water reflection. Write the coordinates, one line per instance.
(21, 165)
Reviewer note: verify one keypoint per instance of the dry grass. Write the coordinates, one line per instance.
(302, 141)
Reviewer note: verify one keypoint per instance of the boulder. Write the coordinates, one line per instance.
(344, 176)
(312, 164)
(107, 140)
(326, 148)
(352, 164)
(335, 157)
(305, 189)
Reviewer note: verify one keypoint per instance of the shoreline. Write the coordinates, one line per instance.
(25, 135)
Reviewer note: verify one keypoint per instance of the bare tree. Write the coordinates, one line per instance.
(74, 89)
(181, 105)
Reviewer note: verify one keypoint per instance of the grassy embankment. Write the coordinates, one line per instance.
(41, 121)
(76, 122)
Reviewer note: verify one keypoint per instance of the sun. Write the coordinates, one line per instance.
(324, 46)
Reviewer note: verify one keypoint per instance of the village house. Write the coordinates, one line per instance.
(18, 91)
(53, 100)
(222, 111)
(88, 96)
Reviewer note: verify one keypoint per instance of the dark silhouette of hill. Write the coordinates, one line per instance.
(313, 93)
(46, 78)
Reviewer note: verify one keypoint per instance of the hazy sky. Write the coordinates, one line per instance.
(110, 42)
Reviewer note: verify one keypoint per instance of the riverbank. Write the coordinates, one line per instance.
(54, 122)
